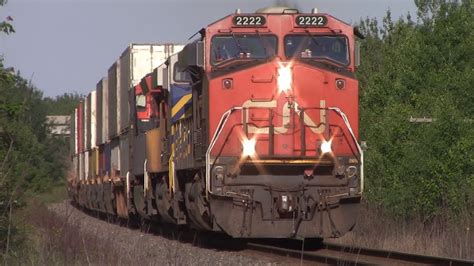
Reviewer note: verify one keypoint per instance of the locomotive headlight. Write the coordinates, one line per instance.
(351, 171)
(326, 147)
(219, 172)
(284, 78)
(248, 146)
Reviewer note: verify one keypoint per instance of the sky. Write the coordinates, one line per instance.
(67, 46)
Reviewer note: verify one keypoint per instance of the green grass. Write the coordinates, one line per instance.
(31, 222)
(57, 193)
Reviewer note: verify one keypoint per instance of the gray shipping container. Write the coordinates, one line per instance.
(135, 62)
(99, 95)
(113, 83)
(105, 110)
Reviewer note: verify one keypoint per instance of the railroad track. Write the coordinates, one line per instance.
(334, 254)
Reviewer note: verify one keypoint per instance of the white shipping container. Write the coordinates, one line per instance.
(119, 96)
(76, 135)
(93, 133)
(135, 62)
(86, 165)
(160, 54)
(85, 139)
(159, 75)
(105, 111)
(98, 113)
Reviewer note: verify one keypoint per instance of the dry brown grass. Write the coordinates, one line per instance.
(57, 241)
(444, 237)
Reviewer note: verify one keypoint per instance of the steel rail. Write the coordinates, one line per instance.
(342, 254)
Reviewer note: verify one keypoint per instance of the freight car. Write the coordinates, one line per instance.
(250, 130)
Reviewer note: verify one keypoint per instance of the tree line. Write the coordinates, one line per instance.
(420, 68)
(31, 161)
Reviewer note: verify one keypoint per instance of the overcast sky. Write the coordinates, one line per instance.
(68, 45)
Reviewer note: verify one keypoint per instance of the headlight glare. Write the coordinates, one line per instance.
(284, 78)
(248, 147)
(326, 147)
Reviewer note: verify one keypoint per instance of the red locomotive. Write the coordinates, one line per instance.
(251, 130)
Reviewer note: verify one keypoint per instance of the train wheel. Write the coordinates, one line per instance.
(139, 201)
(163, 202)
(145, 225)
(109, 198)
(120, 201)
(198, 209)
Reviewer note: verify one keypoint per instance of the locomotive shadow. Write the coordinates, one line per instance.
(201, 239)
(309, 244)
(208, 240)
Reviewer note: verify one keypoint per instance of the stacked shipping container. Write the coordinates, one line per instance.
(102, 120)
(93, 151)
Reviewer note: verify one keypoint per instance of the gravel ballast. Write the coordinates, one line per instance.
(132, 245)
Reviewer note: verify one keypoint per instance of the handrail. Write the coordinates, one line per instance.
(225, 117)
(220, 126)
(361, 152)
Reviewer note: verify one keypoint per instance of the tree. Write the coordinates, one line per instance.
(6, 26)
(30, 160)
(420, 69)
(63, 104)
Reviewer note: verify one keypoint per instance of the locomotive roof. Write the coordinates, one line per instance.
(277, 10)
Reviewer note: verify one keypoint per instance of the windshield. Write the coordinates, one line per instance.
(179, 75)
(140, 100)
(242, 46)
(332, 48)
